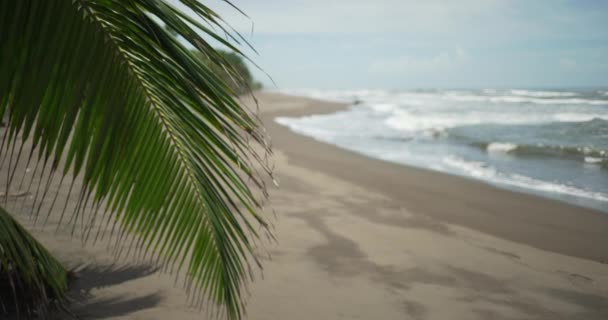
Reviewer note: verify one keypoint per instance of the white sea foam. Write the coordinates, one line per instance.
(342, 96)
(523, 99)
(475, 169)
(501, 147)
(409, 121)
(543, 94)
(593, 160)
(482, 171)
(298, 126)
(425, 97)
(406, 121)
(578, 117)
(384, 107)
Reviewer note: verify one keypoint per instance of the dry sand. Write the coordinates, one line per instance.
(364, 239)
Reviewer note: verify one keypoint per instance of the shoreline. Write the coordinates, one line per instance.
(517, 216)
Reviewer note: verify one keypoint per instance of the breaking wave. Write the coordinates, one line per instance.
(483, 171)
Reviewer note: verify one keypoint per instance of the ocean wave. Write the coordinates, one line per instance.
(393, 138)
(483, 171)
(296, 125)
(409, 121)
(485, 95)
(594, 160)
(523, 99)
(543, 94)
(340, 96)
(586, 154)
(384, 107)
(501, 147)
(578, 117)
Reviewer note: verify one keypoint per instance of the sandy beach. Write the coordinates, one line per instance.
(359, 238)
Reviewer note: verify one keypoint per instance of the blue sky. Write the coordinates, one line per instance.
(426, 44)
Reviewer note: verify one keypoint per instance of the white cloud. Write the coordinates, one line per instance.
(443, 61)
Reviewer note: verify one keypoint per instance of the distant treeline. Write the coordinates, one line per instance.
(246, 81)
(239, 86)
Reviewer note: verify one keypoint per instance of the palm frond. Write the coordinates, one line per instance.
(106, 94)
(31, 280)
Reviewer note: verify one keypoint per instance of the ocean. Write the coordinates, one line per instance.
(552, 143)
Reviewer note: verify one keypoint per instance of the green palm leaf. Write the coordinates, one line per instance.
(105, 93)
(29, 275)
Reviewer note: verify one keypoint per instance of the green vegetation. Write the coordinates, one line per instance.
(243, 82)
(107, 96)
(28, 273)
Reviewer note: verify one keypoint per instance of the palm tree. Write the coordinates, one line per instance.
(101, 91)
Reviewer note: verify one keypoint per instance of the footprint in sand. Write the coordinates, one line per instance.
(576, 278)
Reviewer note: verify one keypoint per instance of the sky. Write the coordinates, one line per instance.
(394, 44)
